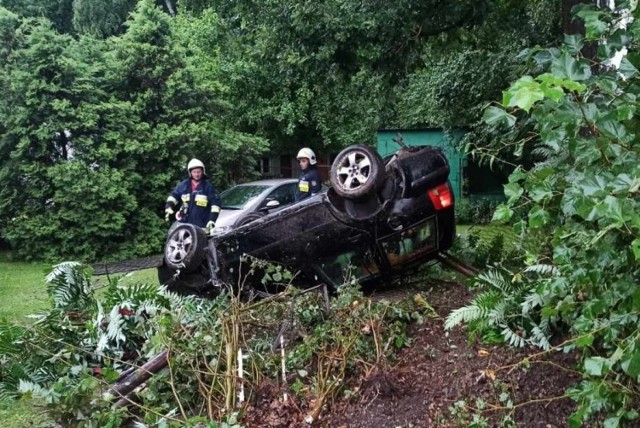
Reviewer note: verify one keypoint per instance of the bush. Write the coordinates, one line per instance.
(475, 211)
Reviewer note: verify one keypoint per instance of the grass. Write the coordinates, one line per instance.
(24, 413)
(23, 289)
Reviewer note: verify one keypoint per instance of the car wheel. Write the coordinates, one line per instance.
(185, 247)
(357, 172)
(248, 219)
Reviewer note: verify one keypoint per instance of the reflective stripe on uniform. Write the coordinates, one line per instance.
(186, 197)
(171, 200)
(215, 209)
(201, 200)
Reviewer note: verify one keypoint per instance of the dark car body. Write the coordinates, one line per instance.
(379, 219)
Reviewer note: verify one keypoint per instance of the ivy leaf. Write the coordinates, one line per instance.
(502, 213)
(541, 192)
(631, 366)
(538, 217)
(597, 366)
(635, 247)
(567, 67)
(523, 93)
(496, 116)
(574, 43)
(614, 129)
(614, 209)
(627, 69)
(593, 25)
(513, 191)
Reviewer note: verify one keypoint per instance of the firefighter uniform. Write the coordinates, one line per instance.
(202, 204)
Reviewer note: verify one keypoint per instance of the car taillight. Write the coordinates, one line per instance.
(441, 197)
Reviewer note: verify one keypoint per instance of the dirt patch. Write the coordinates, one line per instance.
(441, 380)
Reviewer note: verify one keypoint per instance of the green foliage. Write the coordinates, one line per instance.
(475, 211)
(576, 119)
(80, 120)
(74, 348)
(79, 346)
(466, 68)
(324, 72)
(101, 18)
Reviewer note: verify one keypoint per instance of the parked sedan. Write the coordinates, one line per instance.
(379, 219)
(246, 202)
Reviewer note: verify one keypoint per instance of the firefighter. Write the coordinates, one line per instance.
(195, 199)
(309, 182)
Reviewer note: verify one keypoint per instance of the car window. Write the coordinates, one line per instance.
(285, 194)
(238, 197)
(410, 243)
(358, 262)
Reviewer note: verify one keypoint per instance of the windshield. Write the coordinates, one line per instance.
(237, 197)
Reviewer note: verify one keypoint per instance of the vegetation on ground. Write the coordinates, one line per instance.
(219, 350)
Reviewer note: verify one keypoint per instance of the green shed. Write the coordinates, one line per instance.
(427, 137)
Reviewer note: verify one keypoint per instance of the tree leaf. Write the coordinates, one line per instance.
(502, 213)
(631, 366)
(567, 67)
(596, 366)
(496, 116)
(585, 341)
(523, 93)
(635, 247)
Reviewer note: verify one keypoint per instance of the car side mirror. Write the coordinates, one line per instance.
(273, 203)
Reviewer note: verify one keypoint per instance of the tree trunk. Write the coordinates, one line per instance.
(170, 7)
(125, 386)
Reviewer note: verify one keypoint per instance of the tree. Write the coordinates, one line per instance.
(101, 18)
(101, 131)
(580, 204)
(323, 72)
(59, 12)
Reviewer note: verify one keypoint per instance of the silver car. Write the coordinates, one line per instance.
(246, 202)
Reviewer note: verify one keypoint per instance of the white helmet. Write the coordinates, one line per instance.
(306, 152)
(195, 163)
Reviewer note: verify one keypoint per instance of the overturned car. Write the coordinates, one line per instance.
(379, 219)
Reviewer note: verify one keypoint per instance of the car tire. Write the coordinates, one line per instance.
(357, 172)
(185, 247)
(251, 217)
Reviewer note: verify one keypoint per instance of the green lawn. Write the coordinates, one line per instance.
(22, 288)
(24, 291)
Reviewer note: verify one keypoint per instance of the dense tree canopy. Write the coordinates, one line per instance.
(106, 101)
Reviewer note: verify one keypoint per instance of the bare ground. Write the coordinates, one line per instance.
(440, 380)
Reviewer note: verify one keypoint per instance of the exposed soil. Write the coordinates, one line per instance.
(437, 371)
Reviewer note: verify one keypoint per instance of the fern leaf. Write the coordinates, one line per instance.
(464, 314)
(531, 301)
(542, 269)
(512, 338)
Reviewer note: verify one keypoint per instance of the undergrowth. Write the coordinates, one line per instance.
(217, 351)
